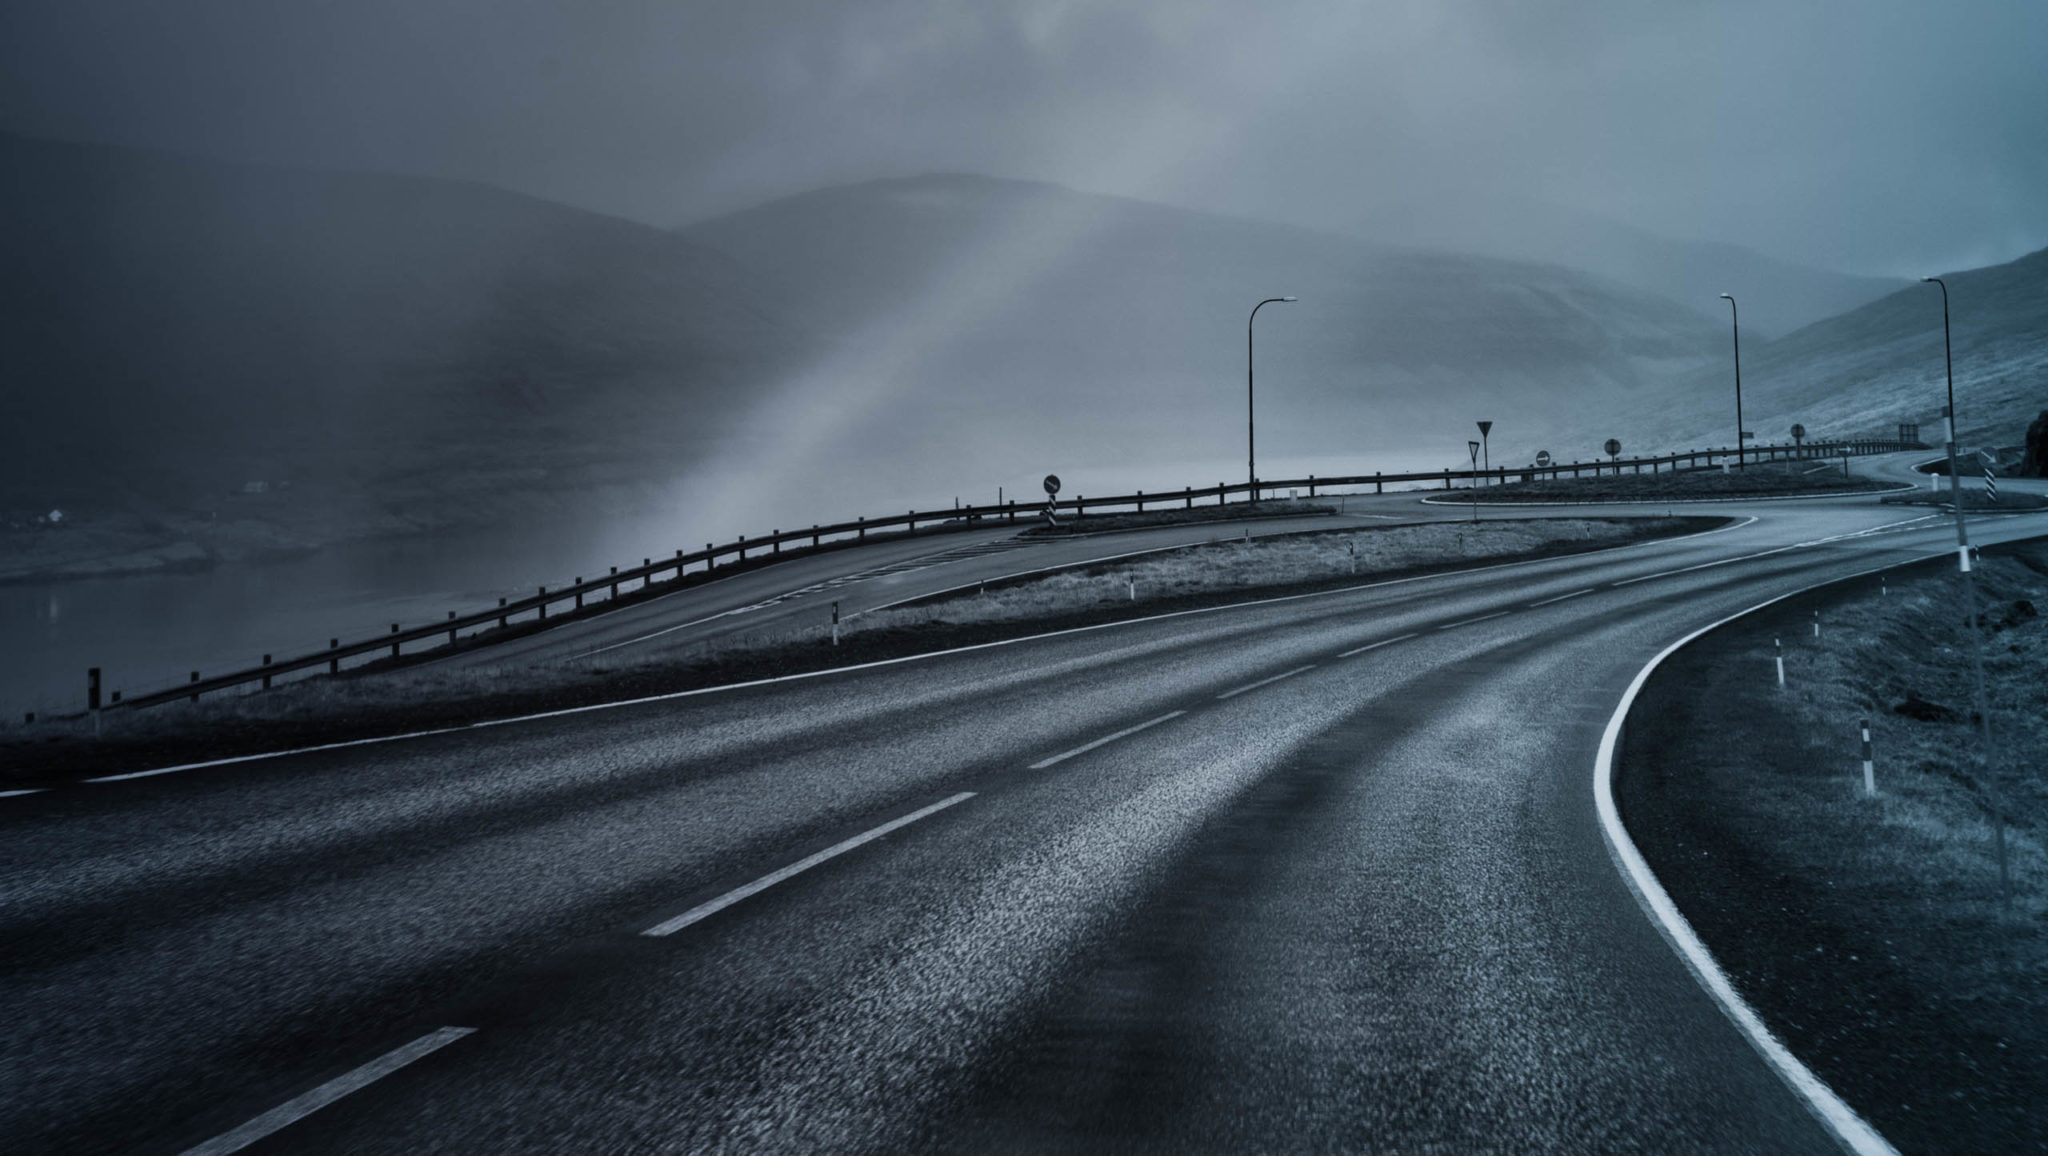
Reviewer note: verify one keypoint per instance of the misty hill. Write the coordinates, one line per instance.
(1777, 296)
(172, 328)
(985, 328)
(1880, 364)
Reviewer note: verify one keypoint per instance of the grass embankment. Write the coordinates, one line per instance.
(321, 709)
(1272, 565)
(1756, 480)
(1869, 931)
(1180, 516)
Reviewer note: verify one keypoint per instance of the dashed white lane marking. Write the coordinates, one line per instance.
(1375, 645)
(1106, 739)
(21, 791)
(299, 1107)
(1470, 621)
(1562, 597)
(714, 906)
(1888, 526)
(1265, 682)
(726, 688)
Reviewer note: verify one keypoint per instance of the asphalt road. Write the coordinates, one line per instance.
(1321, 873)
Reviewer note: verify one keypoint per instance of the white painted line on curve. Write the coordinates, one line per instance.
(1265, 682)
(20, 791)
(1106, 739)
(1470, 621)
(1768, 553)
(714, 906)
(299, 1107)
(1562, 597)
(1837, 1116)
(723, 688)
(1375, 645)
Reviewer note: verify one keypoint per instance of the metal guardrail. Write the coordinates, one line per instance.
(839, 534)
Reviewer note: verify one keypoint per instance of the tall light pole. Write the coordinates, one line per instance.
(1251, 429)
(1735, 322)
(1955, 493)
(1948, 422)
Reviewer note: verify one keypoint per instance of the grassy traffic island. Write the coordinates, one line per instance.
(1870, 931)
(371, 702)
(1756, 480)
(1170, 515)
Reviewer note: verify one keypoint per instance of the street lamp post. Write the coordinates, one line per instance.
(1735, 324)
(1251, 429)
(1955, 491)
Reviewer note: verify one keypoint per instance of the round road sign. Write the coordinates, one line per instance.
(1613, 448)
(1052, 483)
(1542, 457)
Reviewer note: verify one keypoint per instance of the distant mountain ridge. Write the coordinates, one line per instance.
(1094, 327)
(171, 326)
(1779, 296)
(1883, 363)
(426, 352)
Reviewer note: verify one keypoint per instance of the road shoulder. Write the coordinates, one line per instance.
(1866, 932)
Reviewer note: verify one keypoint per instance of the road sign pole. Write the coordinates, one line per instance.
(1472, 448)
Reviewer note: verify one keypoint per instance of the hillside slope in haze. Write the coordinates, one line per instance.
(985, 327)
(172, 328)
(1883, 363)
(1778, 296)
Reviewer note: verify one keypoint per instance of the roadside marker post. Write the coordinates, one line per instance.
(835, 624)
(1816, 624)
(1779, 647)
(1869, 773)
(1134, 587)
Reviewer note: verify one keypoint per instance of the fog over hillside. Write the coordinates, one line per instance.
(1883, 363)
(172, 328)
(979, 330)
(1783, 296)
(406, 353)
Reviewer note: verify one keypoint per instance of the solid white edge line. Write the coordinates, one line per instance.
(1837, 1116)
(1562, 597)
(714, 906)
(1375, 645)
(1106, 740)
(1264, 682)
(731, 686)
(1470, 621)
(299, 1107)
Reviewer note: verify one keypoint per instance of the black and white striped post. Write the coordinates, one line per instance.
(1779, 647)
(1869, 772)
(835, 624)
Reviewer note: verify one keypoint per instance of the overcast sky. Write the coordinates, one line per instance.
(1888, 136)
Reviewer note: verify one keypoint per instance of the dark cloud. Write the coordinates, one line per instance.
(1884, 137)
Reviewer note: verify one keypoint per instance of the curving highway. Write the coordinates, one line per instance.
(1312, 873)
